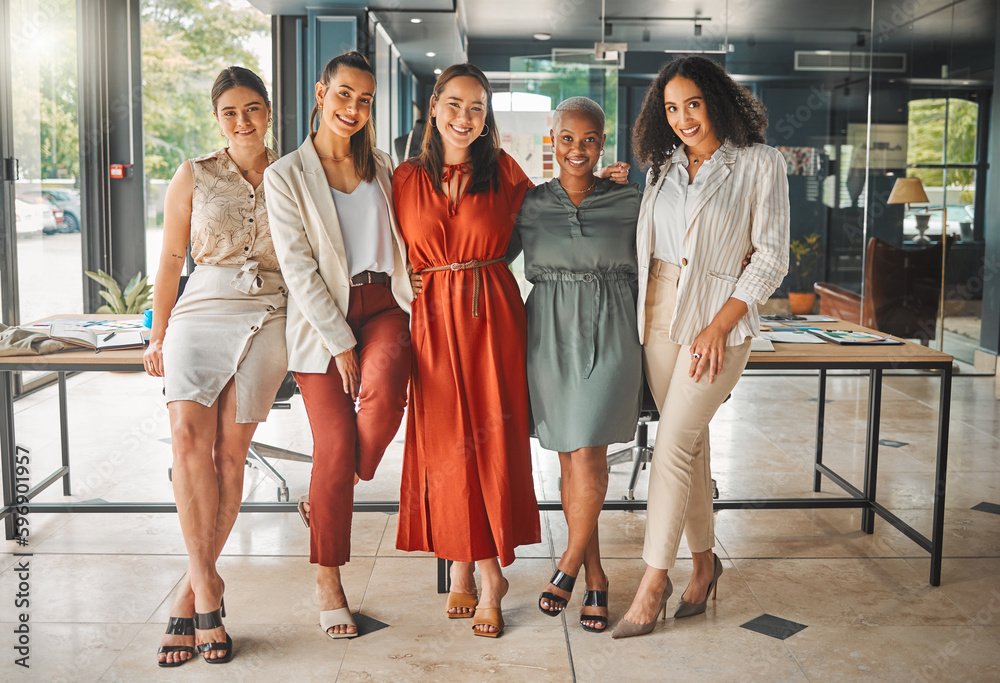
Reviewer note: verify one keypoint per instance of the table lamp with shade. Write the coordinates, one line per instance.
(911, 191)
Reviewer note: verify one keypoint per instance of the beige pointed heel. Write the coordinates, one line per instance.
(626, 629)
(690, 609)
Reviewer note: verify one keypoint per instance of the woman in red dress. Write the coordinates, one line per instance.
(467, 492)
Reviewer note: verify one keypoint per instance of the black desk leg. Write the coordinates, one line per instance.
(871, 448)
(444, 575)
(64, 432)
(940, 476)
(820, 416)
(8, 449)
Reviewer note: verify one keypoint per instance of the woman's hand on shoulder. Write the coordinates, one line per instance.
(617, 172)
(152, 358)
(350, 371)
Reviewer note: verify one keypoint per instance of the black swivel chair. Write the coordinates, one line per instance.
(641, 452)
(259, 452)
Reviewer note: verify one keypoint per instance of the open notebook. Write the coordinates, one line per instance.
(99, 341)
(761, 344)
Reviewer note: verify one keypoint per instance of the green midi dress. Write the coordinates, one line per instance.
(584, 356)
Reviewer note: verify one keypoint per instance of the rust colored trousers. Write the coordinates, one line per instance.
(349, 438)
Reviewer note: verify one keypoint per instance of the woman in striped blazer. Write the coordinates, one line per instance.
(714, 193)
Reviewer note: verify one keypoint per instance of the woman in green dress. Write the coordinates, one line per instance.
(584, 358)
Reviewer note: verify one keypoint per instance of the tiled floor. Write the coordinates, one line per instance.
(100, 585)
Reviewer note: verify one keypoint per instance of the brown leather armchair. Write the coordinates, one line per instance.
(902, 291)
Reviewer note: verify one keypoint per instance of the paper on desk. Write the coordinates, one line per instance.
(791, 337)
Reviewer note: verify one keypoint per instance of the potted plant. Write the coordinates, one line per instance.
(137, 297)
(804, 262)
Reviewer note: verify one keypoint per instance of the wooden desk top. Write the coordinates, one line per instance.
(124, 359)
(807, 355)
(832, 354)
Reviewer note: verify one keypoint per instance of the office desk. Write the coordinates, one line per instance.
(820, 357)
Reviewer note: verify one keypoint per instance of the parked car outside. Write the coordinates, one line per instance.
(30, 217)
(57, 222)
(69, 201)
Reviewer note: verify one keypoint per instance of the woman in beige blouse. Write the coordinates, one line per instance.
(220, 348)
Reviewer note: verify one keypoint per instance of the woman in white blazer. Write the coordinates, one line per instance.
(335, 234)
(714, 193)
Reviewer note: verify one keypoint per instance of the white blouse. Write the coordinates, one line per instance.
(364, 224)
(672, 211)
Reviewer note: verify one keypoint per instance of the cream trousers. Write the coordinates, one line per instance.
(680, 479)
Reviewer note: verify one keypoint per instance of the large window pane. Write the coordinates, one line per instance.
(182, 53)
(46, 145)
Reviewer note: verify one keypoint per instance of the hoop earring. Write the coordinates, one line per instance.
(602, 151)
(221, 134)
(486, 131)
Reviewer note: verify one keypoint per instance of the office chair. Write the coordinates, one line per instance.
(259, 452)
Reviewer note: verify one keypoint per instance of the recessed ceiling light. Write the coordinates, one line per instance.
(542, 36)
(432, 54)
(437, 72)
(414, 20)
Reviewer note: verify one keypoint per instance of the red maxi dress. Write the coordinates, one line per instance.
(467, 492)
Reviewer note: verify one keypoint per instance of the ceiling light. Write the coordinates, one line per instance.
(437, 72)
(432, 54)
(415, 20)
(542, 36)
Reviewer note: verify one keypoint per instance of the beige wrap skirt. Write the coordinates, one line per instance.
(228, 323)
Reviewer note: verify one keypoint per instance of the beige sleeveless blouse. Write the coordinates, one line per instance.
(228, 215)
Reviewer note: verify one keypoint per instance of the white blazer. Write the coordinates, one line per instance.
(743, 203)
(309, 243)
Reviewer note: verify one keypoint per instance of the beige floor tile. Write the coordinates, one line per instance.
(260, 653)
(894, 653)
(846, 592)
(971, 583)
(41, 526)
(282, 533)
(135, 534)
(449, 651)
(277, 590)
(692, 653)
(67, 652)
(417, 602)
(799, 533)
(93, 588)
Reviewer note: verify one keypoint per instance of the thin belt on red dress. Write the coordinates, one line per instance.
(474, 265)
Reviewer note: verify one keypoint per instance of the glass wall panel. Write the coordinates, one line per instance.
(46, 145)
(182, 54)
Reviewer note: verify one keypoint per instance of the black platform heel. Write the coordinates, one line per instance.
(563, 582)
(595, 599)
(177, 626)
(207, 621)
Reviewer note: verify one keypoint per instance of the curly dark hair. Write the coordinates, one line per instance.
(736, 115)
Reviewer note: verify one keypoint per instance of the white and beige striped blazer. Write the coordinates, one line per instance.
(744, 203)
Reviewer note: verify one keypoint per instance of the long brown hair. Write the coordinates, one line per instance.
(484, 150)
(736, 115)
(363, 141)
(237, 77)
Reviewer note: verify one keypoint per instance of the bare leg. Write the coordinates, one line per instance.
(597, 580)
(209, 454)
(701, 576)
(584, 487)
(462, 581)
(494, 588)
(647, 598)
(330, 592)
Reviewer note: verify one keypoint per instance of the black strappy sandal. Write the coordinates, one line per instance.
(563, 582)
(595, 599)
(177, 626)
(207, 621)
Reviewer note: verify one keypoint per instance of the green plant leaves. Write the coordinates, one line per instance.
(137, 297)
